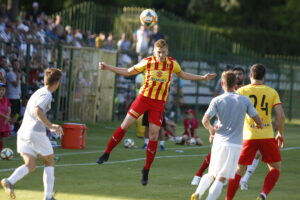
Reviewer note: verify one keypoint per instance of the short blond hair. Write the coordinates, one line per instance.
(161, 43)
(229, 78)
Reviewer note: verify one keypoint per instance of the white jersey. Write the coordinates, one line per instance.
(31, 127)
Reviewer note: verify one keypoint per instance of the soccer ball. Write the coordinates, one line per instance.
(128, 143)
(7, 154)
(192, 142)
(148, 17)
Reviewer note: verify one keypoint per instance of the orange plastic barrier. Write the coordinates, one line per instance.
(74, 136)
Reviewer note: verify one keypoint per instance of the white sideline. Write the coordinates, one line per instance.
(110, 162)
(126, 161)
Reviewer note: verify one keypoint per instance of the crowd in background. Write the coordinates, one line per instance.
(36, 33)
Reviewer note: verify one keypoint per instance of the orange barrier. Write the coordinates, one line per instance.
(74, 136)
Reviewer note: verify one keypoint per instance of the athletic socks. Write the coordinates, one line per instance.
(150, 153)
(204, 165)
(48, 179)
(250, 169)
(233, 186)
(162, 143)
(215, 190)
(18, 174)
(1, 145)
(270, 181)
(115, 139)
(205, 182)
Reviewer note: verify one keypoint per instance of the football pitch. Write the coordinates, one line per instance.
(78, 177)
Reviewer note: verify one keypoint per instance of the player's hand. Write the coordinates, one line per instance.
(102, 66)
(211, 138)
(207, 77)
(57, 129)
(280, 140)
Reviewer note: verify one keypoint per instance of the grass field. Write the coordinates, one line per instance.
(78, 177)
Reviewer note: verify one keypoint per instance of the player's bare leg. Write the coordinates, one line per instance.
(270, 180)
(48, 176)
(116, 138)
(19, 173)
(150, 152)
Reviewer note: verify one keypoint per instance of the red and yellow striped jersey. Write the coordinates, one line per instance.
(158, 76)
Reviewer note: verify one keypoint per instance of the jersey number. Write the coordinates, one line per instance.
(263, 104)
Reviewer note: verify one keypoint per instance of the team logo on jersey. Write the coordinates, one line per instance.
(159, 74)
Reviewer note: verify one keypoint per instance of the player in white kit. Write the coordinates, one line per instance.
(32, 140)
(230, 109)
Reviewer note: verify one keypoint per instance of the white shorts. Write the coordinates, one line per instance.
(224, 160)
(41, 147)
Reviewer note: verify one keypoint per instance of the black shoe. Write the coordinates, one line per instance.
(103, 158)
(145, 174)
(261, 197)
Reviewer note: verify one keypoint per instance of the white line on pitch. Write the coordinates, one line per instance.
(111, 162)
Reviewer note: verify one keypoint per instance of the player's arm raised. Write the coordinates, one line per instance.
(40, 115)
(195, 77)
(118, 70)
(279, 124)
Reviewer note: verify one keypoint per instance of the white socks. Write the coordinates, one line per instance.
(215, 190)
(18, 174)
(162, 143)
(250, 169)
(48, 179)
(146, 141)
(205, 182)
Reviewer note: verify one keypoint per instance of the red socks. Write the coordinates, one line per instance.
(233, 186)
(270, 181)
(150, 153)
(115, 139)
(1, 145)
(204, 165)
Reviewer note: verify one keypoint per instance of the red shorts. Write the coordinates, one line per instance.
(268, 148)
(154, 107)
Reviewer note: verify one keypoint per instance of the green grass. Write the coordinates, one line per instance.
(169, 179)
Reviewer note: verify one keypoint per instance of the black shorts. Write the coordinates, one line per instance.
(15, 106)
(145, 121)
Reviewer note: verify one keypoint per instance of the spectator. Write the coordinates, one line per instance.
(154, 36)
(14, 89)
(141, 39)
(3, 69)
(124, 46)
(58, 27)
(100, 40)
(190, 127)
(34, 13)
(110, 42)
(4, 115)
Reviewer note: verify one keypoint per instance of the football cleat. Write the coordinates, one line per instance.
(103, 158)
(144, 146)
(145, 174)
(196, 180)
(261, 197)
(8, 188)
(244, 185)
(162, 148)
(52, 198)
(195, 196)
